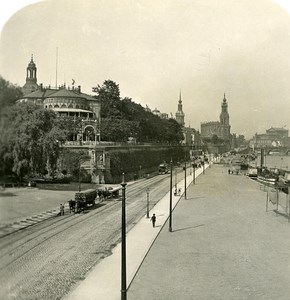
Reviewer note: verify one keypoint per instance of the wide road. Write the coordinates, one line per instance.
(45, 260)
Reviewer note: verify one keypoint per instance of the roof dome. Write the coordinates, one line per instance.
(31, 64)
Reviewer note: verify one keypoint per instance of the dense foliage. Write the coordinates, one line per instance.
(121, 118)
(31, 137)
(30, 140)
(9, 93)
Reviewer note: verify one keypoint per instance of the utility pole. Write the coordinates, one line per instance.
(185, 180)
(147, 203)
(170, 199)
(123, 251)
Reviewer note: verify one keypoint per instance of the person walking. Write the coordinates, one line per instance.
(153, 220)
(61, 209)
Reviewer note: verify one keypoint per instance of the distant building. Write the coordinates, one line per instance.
(179, 115)
(274, 137)
(66, 102)
(222, 128)
(31, 78)
(157, 112)
(191, 136)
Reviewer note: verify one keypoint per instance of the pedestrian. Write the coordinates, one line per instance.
(175, 192)
(153, 220)
(61, 209)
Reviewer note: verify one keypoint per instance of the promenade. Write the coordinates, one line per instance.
(223, 246)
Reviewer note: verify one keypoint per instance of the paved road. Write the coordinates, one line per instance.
(223, 246)
(45, 260)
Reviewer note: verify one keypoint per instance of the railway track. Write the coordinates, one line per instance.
(76, 242)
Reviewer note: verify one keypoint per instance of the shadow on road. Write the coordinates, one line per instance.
(187, 228)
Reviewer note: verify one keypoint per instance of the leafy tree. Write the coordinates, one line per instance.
(109, 95)
(9, 93)
(71, 160)
(123, 118)
(240, 140)
(30, 140)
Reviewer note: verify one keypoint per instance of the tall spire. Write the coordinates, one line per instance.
(180, 114)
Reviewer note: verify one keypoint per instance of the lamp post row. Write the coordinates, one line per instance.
(123, 249)
(123, 230)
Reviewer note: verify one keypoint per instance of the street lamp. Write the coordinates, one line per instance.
(175, 185)
(80, 175)
(185, 180)
(123, 252)
(170, 199)
(147, 203)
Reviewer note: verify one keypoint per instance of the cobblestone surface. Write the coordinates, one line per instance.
(45, 260)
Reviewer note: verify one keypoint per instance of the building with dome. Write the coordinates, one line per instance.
(31, 78)
(66, 102)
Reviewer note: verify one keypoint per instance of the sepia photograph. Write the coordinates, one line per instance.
(145, 150)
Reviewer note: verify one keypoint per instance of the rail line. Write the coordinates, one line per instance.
(70, 222)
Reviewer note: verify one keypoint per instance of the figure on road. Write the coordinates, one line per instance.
(61, 209)
(153, 220)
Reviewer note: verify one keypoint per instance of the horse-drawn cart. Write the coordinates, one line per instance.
(82, 200)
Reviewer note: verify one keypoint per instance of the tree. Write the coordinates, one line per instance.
(9, 93)
(123, 118)
(30, 140)
(109, 95)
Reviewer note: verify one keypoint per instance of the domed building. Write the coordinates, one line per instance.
(68, 102)
(31, 79)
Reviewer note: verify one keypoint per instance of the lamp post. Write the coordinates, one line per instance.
(185, 180)
(147, 203)
(80, 175)
(193, 171)
(175, 183)
(123, 251)
(170, 199)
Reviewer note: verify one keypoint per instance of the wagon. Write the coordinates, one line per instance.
(85, 198)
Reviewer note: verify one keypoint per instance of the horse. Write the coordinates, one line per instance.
(80, 206)
(72, 205)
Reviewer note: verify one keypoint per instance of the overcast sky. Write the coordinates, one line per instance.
(154, 48)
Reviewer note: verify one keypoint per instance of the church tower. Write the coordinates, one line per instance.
(225, 128)
(31, 79)
(224, 116)
(179, 115)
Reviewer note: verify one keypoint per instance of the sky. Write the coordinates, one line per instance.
(156, 48)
